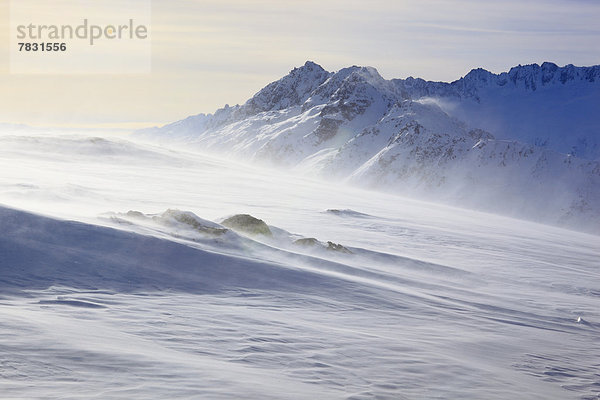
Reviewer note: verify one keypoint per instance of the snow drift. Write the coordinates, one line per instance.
(132, 286)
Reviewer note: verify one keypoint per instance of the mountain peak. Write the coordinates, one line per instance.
(479, 74)
(549, 66)
(291, 90)
(368, 73)
(308, 69)
(311, 65)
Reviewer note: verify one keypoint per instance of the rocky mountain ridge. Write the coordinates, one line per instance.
(523, 143)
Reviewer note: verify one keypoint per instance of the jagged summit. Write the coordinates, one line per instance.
(534, 76)
(309, 68)
(293, 89)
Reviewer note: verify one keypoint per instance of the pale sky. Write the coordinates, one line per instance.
(206, 53)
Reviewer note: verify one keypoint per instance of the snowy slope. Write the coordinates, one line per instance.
(120, 278)
(523, 143)
(431, 155)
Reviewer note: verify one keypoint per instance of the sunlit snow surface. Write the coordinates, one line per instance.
(432, 302)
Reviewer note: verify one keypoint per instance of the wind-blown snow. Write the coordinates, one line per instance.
(492, 142)
(118, 280)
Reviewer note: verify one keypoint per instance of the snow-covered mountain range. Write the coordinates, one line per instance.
(524, 143)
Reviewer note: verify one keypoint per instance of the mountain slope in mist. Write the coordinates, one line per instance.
(523, 143)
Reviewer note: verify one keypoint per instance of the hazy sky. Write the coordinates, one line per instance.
(206, 53)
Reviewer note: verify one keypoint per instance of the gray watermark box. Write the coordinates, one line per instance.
(80, 36)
